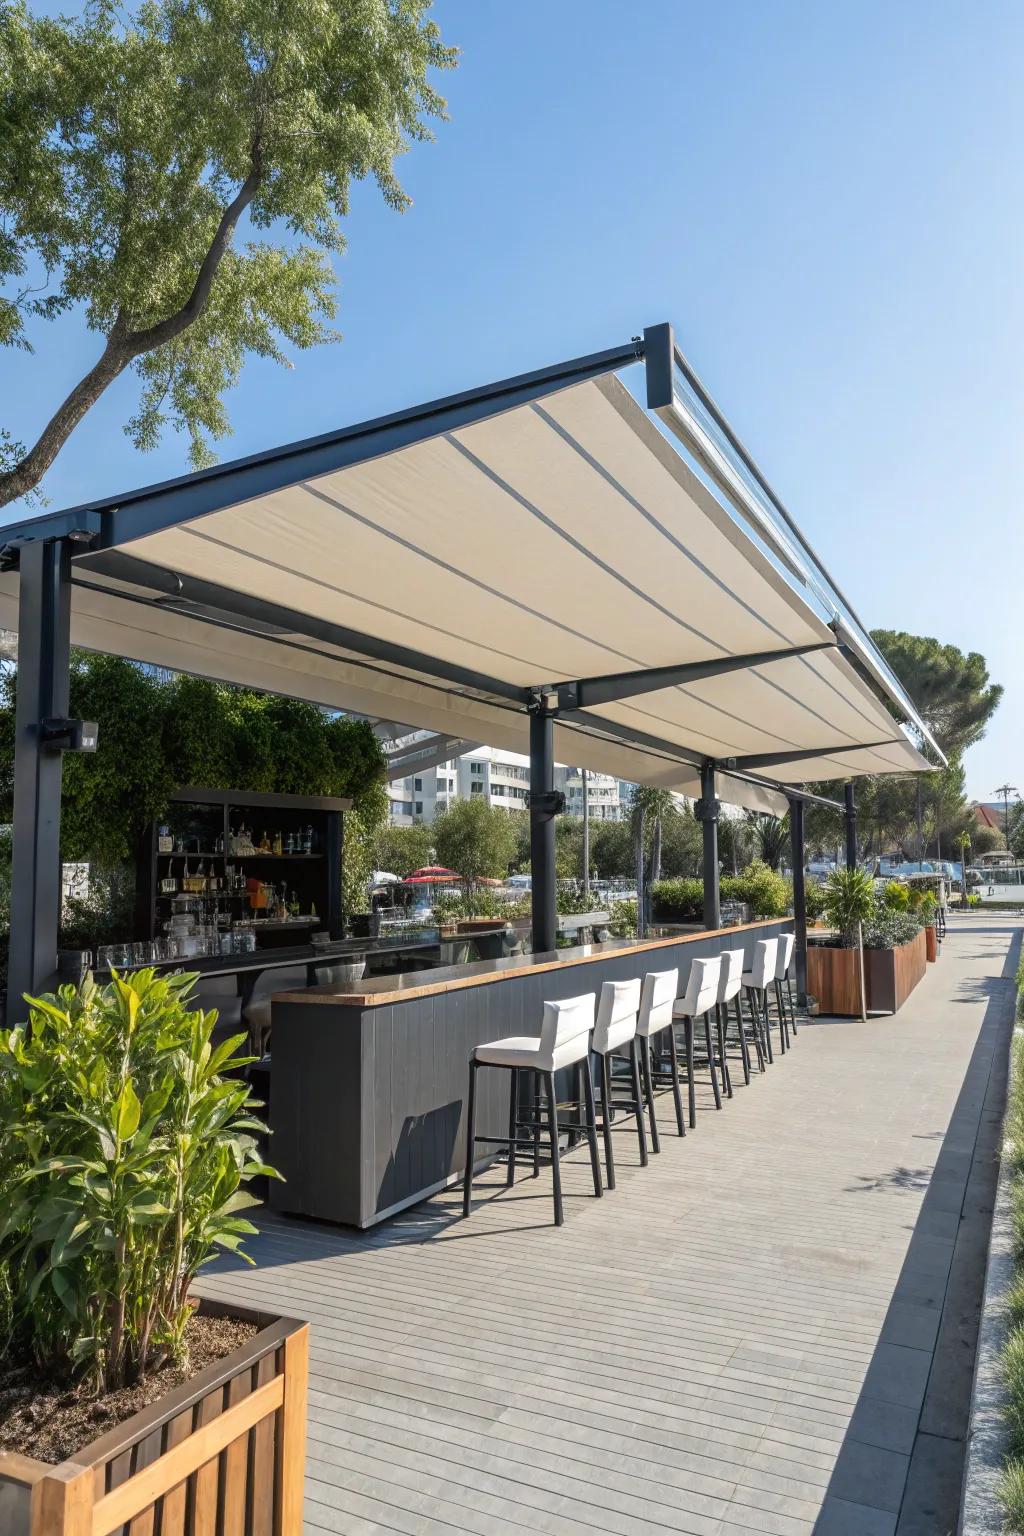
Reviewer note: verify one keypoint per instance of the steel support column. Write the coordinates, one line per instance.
(544, 910)
(796, 833)
(44, 630)
(707, 810)
(851, 825)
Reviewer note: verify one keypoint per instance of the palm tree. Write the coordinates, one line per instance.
(771, 837)
(650, 805)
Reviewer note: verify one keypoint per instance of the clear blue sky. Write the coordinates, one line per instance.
(826, 200)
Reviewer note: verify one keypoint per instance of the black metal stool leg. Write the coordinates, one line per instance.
(588, 1094)
(692, 1086)
(645, 1050)
(638, 1102)
(783, 1021)
(513, 1126)
(711, 1060)
(467, 1188)
(723, 1056)
(556, 1171)
(755, 1024)
(744, 1047)
(536, 1125)
(606, 1119)
(766, 1026)
(673, 1056)
(792, 1003)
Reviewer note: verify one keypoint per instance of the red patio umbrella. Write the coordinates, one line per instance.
(431, 874)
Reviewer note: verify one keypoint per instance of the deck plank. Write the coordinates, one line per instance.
(686, 1354)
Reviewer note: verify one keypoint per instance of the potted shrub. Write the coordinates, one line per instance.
(895, 957)
(129, 1138)
(835, 972)
(926, 911)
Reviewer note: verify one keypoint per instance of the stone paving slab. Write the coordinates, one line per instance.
(767, 1330)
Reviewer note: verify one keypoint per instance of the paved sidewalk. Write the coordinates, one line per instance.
(768, 1330)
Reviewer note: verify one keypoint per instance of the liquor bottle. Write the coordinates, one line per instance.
(278, 844)
(307, 841)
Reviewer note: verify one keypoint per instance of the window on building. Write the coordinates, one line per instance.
(476, 789)
(476, 767)
(417, 784)
(419, 808)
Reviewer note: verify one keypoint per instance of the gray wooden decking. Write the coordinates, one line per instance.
(739, 1338)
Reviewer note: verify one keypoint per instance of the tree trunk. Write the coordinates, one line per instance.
(26, 474)
(122, 346)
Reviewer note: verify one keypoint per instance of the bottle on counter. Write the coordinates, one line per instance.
(278, 844)
(307, 840)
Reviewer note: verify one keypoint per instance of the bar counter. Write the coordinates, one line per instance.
(369, 1078)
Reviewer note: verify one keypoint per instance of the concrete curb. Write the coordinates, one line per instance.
(980, 1510)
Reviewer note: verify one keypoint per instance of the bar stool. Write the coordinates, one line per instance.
(749, 1030)
(617, 1009)
(756, 982)
(656, 1002)
(787, 944)
(564, 1041)
(697, 1001)
(730, 980)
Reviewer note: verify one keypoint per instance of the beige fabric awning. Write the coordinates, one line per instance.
(563, 538)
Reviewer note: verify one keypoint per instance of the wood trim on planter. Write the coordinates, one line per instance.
(230, 1440)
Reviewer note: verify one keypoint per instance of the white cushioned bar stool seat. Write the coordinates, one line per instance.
(615, 1032)
(563, 1042)
(700, 996)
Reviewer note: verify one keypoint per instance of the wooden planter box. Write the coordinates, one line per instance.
(890, 975)
(931, 941)
(224, 1452)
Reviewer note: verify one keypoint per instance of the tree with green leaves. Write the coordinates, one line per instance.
(400, 850)
(179, 174)
(475, 839)
(956, 699)
(952, 691)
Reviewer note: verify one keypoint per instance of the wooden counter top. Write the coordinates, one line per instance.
(378, 990)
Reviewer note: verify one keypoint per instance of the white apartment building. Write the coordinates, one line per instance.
(502, 779)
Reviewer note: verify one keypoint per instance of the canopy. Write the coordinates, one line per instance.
(541, 538)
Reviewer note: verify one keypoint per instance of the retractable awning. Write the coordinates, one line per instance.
(550, 536)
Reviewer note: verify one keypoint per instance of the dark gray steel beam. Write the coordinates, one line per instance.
(171, 502)
(44, 638)
(707, 812)
(807, 754)
(588, 692)
(796, 834)
(190, 595)
(421, 756)
(543, 887)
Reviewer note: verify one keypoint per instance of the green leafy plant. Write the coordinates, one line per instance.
(677, 901)
(896, 896)
(763, 889)
(849, 902)
(888, 929)
(623, 919)
(123, 1166)
(814, 900)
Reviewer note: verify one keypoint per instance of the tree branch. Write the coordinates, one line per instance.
(28, 472)
(166, 330)
(122, 346)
